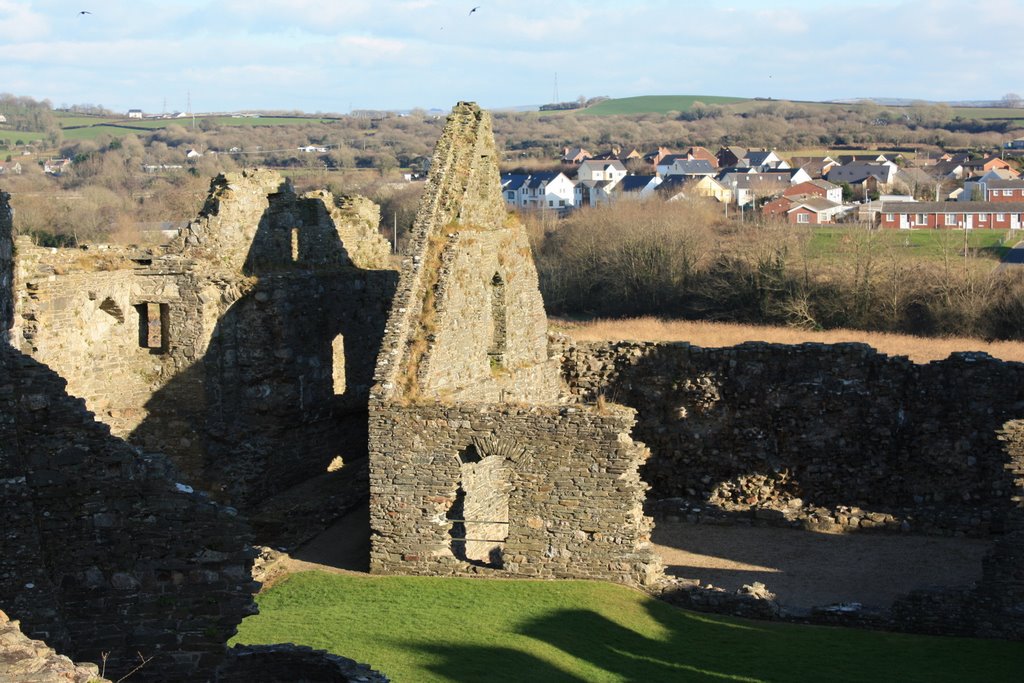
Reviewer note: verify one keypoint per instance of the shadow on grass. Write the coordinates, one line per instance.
(697, 647)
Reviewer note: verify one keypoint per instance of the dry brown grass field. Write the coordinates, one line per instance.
(713, 334)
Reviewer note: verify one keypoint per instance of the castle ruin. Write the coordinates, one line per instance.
(273, 337)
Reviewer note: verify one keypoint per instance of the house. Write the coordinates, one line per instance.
(135, 113)
(551, 190)
(947, 169)
(868, 211)
(574, 155)
(679, 187)
(10, 168)
(697, 153)
(1017, 143)
(313, 149)
(815, 188)
(593, 170)
(3, 119)
(193, 154)
(513, 188)
(865, 176)
(654, 158)
(679, 165)
(56, 166)
(634, 187)
(731, 156)
(1001, 190)
(749, 188)
(951, 215)
(815, 211)
(974, 168)
(765, 160)
(816, 167)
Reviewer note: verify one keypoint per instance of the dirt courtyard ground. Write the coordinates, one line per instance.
(802, 568)
(806, 569)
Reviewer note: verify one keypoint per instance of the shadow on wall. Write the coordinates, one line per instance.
(840, 425)
(282, 387)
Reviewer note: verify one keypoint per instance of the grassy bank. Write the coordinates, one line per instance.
(438, 629)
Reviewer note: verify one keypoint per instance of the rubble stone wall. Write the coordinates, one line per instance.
(105, 549)
(574, 496)
(839, 436)
(245, 349)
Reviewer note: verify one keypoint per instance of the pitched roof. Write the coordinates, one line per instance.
(1011, 184)
(685, 166)
(513, 181)
(634, 183)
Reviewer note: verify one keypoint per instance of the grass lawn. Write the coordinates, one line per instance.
(418, 629)
(654, 104)
(926, 244)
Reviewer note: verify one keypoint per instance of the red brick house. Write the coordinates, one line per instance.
(951, 215)
(1004, 191)
(803, 210)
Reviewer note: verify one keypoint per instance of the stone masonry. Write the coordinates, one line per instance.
(104, 549)
(474, 467)
(245, 350)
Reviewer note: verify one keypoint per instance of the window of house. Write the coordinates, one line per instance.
(920, 219)
(982, 217)
(890, 216)
(1001, 217)
(803, 218)
(950, 219)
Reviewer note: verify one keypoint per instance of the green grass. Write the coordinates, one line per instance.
(925, 244)
(654, 104)
(418, 629)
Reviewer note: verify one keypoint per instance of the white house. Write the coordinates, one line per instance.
(135, 113)
(553, 190)
(593, 170)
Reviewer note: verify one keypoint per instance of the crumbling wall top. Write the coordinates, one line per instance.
(468, 322)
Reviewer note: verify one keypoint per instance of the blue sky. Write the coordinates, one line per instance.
(324, 55)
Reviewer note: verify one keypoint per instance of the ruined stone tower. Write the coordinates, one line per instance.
(474, 466)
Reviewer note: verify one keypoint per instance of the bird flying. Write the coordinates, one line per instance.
(474, 9)
(85, 11)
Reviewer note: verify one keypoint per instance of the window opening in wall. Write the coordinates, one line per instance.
(479, 516)
(295, 244)
(499, 321)
(338, 364)
(153, 326)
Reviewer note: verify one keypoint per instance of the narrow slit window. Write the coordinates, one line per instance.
(499, 321)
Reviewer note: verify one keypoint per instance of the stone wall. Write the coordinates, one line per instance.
(468, 321)
(572, 497)
(6, 267)
(103, 549)
(829, 437)
(473, 468)
(245, 350)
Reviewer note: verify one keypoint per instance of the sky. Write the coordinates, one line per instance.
(339, 55)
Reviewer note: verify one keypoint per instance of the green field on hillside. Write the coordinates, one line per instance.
(654, 104)
(91, 127)
(419, 629)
